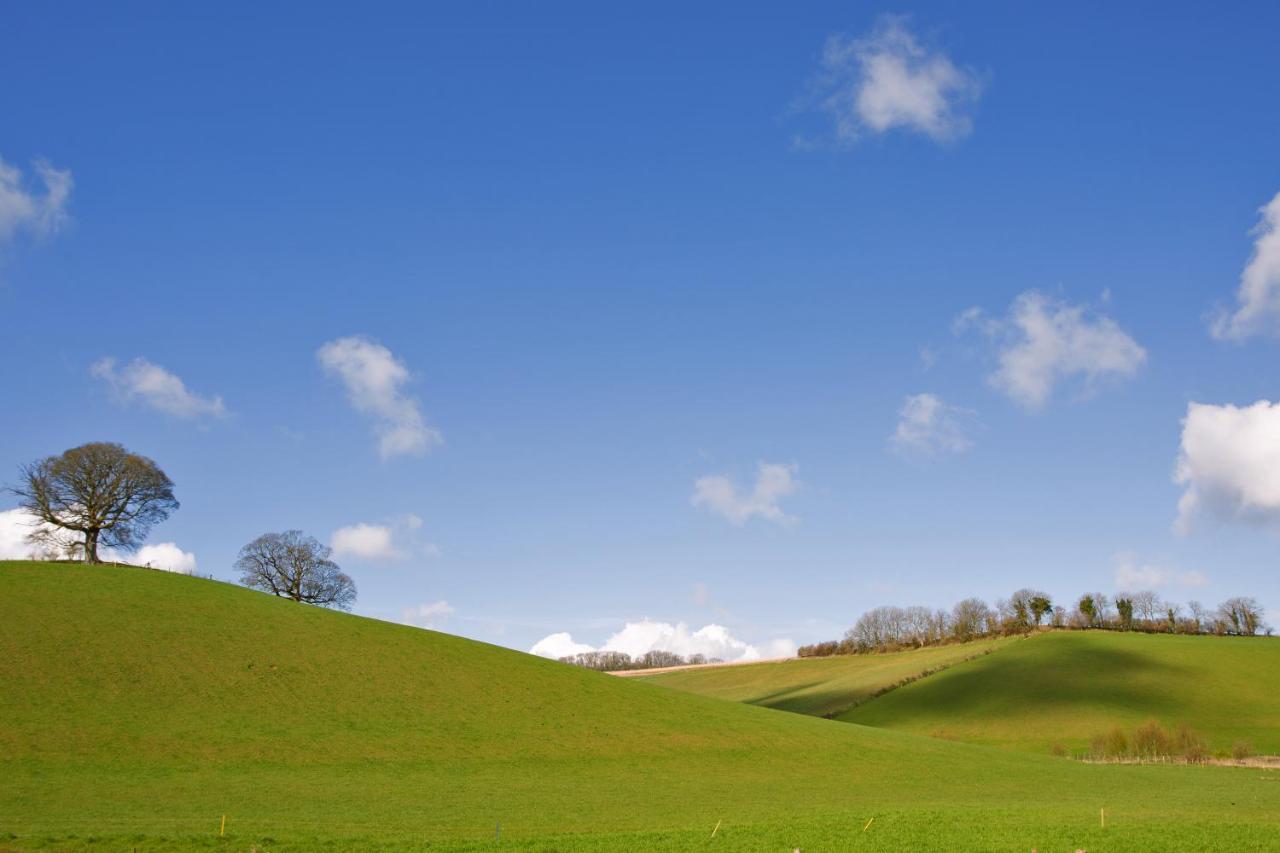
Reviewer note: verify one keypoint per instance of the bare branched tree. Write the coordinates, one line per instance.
(98, 493)
(295, 566)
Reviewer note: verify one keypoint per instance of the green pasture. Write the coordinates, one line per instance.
(137, 708)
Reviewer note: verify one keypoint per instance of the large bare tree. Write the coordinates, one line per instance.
(296, 566)
(100, 492)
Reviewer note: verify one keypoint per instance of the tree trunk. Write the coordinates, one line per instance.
(91, 546)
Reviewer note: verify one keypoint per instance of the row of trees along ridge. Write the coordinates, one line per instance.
(891, 628)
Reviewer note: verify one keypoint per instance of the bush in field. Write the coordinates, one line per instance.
(1113, 744)
(1242, 749)
(1150, 740)
(1190, 745)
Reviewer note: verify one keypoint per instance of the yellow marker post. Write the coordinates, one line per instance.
(717, 829)
(867, 825)
(223, 830)
(1102, 818)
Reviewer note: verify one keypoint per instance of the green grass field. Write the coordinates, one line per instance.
(821, 687)
(139, 707)
(1065, 687)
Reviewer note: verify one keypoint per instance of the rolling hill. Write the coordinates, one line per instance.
(140, 707)
(1066, 687)
(1055, 688)
(822, 687)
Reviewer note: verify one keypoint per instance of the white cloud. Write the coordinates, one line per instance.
(15, 526)
(156, 387)
(1130, 575)
(431, 615)
(162, 555)
(636, 638)
(1229, 462)
(1259, 292)
(374, 379)
(367, 541)
(559, 645)
(394, 540)
(773, 482)
(1044, 341)
(889, 80)
(927, 425)
(24, 209)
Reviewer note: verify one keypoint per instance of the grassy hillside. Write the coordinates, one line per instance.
(819, 686)
(1065, 687)
(139, 707)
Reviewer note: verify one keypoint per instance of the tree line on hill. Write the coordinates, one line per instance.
(605, 661)
(894, 628)
(100, 495)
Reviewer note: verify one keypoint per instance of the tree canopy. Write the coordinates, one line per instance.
(99, 492)
(295, 566)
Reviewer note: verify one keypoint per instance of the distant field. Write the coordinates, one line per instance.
(818, 686)
(1065, 687)
(139, 707)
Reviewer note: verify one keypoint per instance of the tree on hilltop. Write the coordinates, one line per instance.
(295, 566)
(98, 494)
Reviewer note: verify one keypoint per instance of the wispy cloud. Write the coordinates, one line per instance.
(40, 211)
(718, 494)
(432, 615)
(928, 426)
(1258, 297)
(152, 385)
(375, 380)
(1044, 341)
(1131, 575)
(889, 79)
(394, 540)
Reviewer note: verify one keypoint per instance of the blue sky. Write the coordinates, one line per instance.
(616, 260)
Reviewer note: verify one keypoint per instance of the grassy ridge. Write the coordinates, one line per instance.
(819, 686)
(138, 707)
(1065, 687)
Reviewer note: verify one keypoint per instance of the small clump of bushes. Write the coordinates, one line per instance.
(1152, 742)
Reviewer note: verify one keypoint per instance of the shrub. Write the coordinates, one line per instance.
(1190, 745)
(1242, 749)
(1058, 750)
(1150, 740)
(1113, 744)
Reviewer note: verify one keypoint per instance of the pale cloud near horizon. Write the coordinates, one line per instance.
(930, 427)
(40, 213)
(1258, 295)
(888, 79)
(17, 524)
(394, 540)
(718, 494)
(156, 387)
(646, 635)
(1229, 463)
(166, 556)
(374, 380)
(1044, 341)
(431, 615)
(1131, 575)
